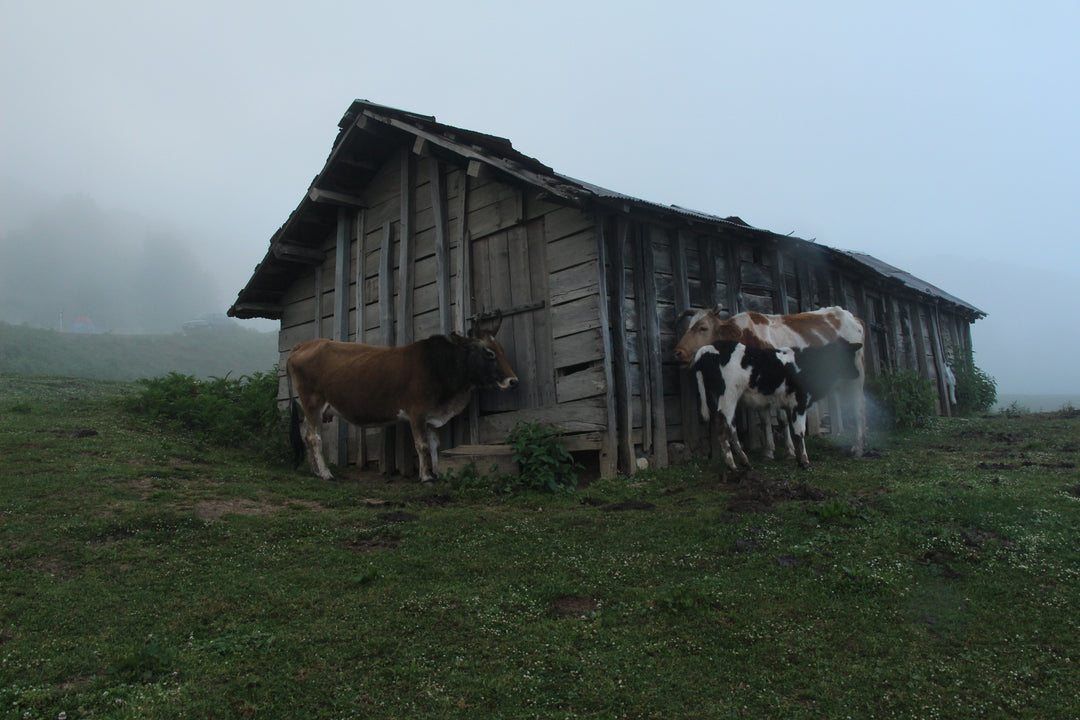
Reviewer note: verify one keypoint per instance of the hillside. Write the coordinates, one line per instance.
(208, 352)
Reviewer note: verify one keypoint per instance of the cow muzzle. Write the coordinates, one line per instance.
(508, 383)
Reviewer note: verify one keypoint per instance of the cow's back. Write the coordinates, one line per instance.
(364, 383)
(812, 328)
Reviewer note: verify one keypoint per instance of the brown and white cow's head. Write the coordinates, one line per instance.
(486, 364)
(705, 328)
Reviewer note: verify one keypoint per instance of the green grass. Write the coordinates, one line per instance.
(147, 574)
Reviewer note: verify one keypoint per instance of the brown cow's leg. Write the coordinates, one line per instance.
(315, 454)
(423, 449)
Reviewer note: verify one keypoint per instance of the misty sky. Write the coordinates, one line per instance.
(938, 136)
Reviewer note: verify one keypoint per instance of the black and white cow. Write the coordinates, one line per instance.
(792, 379)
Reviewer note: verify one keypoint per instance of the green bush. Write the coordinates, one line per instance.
(223, 410)
(976, 391)
(906, 399)
(546, 464)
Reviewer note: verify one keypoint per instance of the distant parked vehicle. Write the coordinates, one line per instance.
(207, 321)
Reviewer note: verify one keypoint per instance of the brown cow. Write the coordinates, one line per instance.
(814, 328)
(426, 383)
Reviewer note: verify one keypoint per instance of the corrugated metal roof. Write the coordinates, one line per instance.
(909, 280)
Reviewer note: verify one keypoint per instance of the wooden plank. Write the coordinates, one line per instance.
(576, 316)
(386, 287)
(688, 396)
(939, 359)
(623, 397)
(589, 382)
(577, 349)
(543, 360)
(405, 254)
(442, 245)
(652, 343)
(609, 453)
(385, 436)
(361, 238)
(341, 315)
(581, 416)
(571, 250)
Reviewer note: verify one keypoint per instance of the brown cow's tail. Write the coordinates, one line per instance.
(296, 439)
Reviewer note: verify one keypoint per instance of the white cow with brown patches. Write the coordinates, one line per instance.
(808, 329)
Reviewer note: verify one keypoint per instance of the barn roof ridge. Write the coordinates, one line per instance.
(284, 257)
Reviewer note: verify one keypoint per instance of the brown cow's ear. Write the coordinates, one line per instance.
(496, 322)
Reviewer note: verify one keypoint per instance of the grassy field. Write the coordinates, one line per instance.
(146, 574)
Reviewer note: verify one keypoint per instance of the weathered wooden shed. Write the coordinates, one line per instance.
(413, 228)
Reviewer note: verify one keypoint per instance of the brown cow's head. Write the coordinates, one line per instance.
(706, 327)
(487, 364)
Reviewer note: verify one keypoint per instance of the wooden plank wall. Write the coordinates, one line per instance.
(468, 244)
(654, 272)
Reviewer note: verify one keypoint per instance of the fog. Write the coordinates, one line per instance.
(938, 137)
(66, 258)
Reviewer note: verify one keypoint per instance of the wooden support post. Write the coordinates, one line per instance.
(361, 239)
(406, 459)
(386, 327)
(649, 333)
(939, 360)
(442, 246)
(341, 316)
(609, 449)
(624, 397)
(688, 396)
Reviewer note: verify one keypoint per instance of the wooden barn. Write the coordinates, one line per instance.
(414, 228)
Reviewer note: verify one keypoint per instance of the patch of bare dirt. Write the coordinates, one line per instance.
(752, 493)
(574, 605)
(216, 510)
(628, 505)
(374, 544)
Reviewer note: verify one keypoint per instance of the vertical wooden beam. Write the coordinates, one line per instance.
(649, 330)
(688, 404)
(624, 396)
(361, 239)
(734, 276)
(780, 282)
(318, 300)
(707, 258)
(609, 450)
(341, 316)
(386, 330)
(406, 459)
(463, 296)
(939, 360)
(406, 275)
(442, 245)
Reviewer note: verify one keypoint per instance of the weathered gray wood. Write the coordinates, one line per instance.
(939, 360)
(386, 287)
(543, 364)
(780, 282)
(385, 436)
(442, 245)
(587, 415)
(609, 452)
(341, 315)
(623, 397)
(688, 406)
(734, 276)
(651, 337)
(361, 238)
(405, 254)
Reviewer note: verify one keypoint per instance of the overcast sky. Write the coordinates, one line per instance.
(941, 137)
